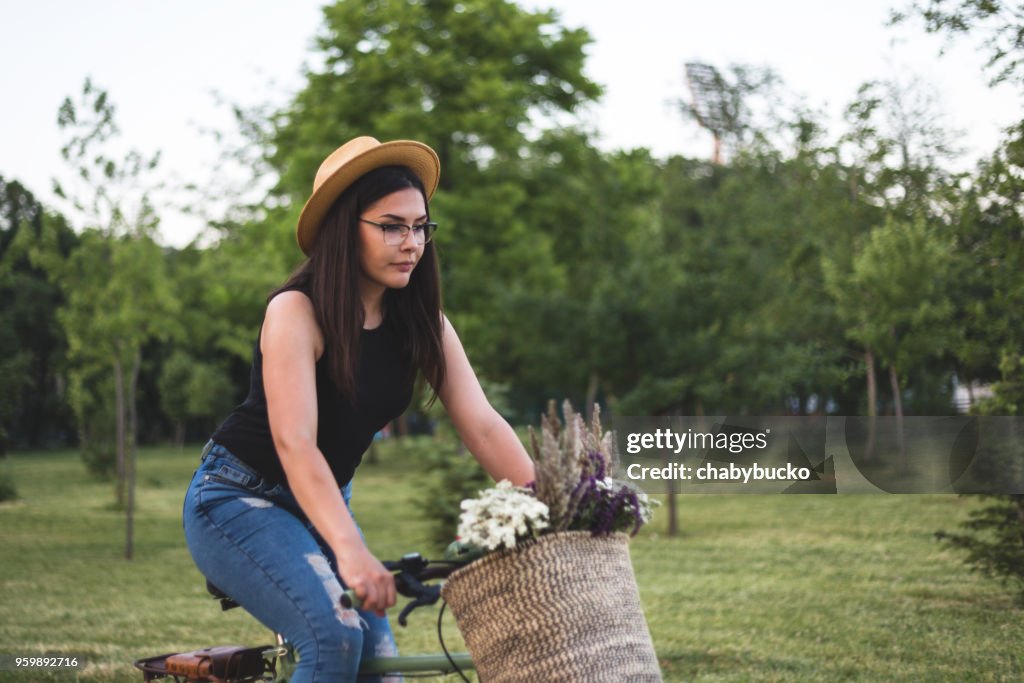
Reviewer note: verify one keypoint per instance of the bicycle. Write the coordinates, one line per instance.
(274, 663)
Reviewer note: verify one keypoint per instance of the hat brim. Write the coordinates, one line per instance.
(416, 156)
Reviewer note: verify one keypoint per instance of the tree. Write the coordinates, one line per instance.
(999, 21)
(899, 147)
(991, 289)
(115, 286)
(477, 80)
(896, 300)
(190, 389)
(993, 538)
(32, 346)
(741, 320)
(988, 237)
(471, 78)
(588, 211)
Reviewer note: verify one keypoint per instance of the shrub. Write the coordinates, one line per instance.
(994, 541)
(451, 476)
(994, 534)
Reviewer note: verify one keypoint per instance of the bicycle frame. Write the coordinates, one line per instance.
(436, 664)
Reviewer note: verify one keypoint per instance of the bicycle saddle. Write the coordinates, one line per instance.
(226, 602)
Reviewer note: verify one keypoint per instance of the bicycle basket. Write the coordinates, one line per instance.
(563, 608)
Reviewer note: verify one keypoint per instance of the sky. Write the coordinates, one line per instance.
(163, 62)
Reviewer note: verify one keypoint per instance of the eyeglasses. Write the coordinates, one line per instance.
(395, 233)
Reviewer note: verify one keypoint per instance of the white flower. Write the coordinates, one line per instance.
(501, 516)
(647, 506)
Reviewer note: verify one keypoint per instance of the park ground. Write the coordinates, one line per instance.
(753, 588)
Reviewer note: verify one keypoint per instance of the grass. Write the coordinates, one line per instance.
(756, 588)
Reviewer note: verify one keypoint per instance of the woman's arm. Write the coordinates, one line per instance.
(486, 434)
(290, 343)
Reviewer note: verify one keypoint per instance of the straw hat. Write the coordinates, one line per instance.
(352, 160)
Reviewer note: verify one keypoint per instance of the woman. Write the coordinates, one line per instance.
(266, 516)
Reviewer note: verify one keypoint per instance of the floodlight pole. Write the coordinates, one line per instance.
(704, 83)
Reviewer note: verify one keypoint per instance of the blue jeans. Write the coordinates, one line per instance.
(253, 541)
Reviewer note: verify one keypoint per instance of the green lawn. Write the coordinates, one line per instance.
(757, 588)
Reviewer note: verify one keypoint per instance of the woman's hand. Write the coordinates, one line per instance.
(367, 577)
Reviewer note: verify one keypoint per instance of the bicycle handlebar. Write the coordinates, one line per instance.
(411, 571)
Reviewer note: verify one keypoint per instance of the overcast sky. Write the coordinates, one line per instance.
(161, 62)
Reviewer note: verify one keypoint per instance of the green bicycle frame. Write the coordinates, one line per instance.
(419, 664)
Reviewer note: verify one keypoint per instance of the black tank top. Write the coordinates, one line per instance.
(344, 431)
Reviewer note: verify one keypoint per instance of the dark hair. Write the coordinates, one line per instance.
(330, 275)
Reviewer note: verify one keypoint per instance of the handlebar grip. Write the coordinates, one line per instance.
(349, 600)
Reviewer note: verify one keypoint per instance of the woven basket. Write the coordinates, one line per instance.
(564, 608)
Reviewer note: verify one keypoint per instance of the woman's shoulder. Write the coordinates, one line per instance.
(290, 316)
(291, 300)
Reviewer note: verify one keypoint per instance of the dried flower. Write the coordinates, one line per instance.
(574, 467)
(573, 490)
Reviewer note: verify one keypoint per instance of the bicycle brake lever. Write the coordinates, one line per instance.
(410, 606)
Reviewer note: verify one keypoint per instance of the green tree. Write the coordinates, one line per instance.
(470, 78)
(475, 79)
(900, 148)
(1000, 22)
(117, 295)
(190, 388)
(32, 346)
(993, 538)
(991, 288)
(896, 301)
(989, 348)
(741, 319)
(588, 210)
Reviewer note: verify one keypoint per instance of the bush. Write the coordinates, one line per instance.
(451, 476)
(994, 534)
(995, 541)
(91, 394)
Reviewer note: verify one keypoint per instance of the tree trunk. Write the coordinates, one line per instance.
(869, 361)
(894, 380)
(133, 429)
(671, 498)
(119, 416)
(588, 405)
(673, 509)
(179, 434)
(1019, 500)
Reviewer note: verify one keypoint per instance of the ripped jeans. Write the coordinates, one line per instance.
(253, 541)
